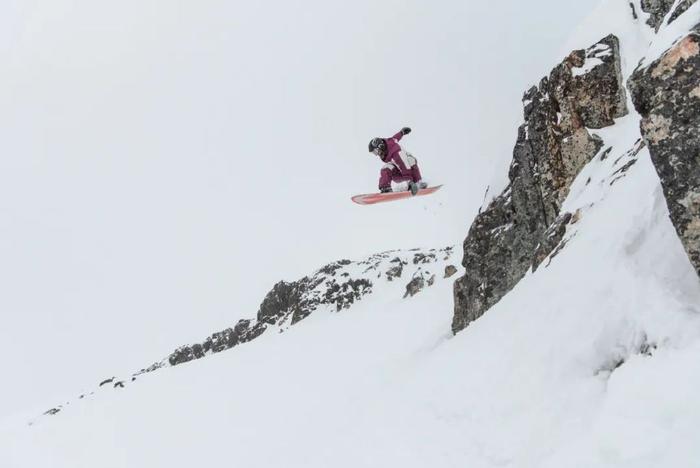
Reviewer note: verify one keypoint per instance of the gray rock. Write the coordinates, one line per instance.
(634, 11)
(423, 258)
(551, 239)
(217, 342)
(414, 286)
(396, 271)
(450, 270)
(657, 10)
(584, 91)
(667, 95)
(106, 381)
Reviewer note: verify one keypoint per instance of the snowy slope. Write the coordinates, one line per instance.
(589, 362)
(164, 163)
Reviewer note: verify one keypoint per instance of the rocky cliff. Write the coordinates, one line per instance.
(667, 95)
(523, 224)
(658, 10)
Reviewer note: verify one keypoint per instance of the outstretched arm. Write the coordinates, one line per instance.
(401, 133)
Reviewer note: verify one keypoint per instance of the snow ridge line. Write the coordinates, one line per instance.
(333, 288)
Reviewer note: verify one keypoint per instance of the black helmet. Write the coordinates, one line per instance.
(377, 146)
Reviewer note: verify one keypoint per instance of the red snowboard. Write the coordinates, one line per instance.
(372, 198)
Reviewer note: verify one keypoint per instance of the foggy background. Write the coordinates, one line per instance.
(163, 164)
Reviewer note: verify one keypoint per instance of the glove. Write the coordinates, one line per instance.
(405, 130)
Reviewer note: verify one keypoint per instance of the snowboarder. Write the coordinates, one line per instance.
(400, 165)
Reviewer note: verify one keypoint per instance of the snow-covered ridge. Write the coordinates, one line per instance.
(587, 359)
(333, 288)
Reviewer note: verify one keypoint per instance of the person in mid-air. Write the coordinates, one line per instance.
(399, 164)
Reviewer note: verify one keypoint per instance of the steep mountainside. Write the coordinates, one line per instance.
(583, 93)
(564, 119)
(570, 339)
(333, 288)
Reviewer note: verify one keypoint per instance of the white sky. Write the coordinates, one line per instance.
(164, 163)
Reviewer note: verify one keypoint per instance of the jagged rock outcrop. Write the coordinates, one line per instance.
(667, 95)
(337, 285)
(217, 342)
(414, 286)
(658, 9)
(419, 282)
(584, 92)
(551, 240)
(450, 270)
(395, 271)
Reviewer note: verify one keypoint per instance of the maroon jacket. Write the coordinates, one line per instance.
(393, 154)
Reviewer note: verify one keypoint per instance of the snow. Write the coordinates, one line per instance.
(614, 17)
(593, 59)
(671, 33)
(589, 362)
(589, 65)
(165, 163)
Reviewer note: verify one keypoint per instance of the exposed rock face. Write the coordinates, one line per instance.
(551, 239)
(594, 95)
(395, 271)
(667, 95)
(418, 283)
(450, 270)
(584, 92)
(337, 285)
(414, 286)
(657, 10)
(241, 333)
(106, 381)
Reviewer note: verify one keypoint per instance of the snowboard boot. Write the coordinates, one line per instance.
(413, 187)
(384, 189)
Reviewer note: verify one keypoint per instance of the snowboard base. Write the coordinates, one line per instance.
(372, 198)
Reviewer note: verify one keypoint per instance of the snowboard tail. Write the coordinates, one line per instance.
(372, 198)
